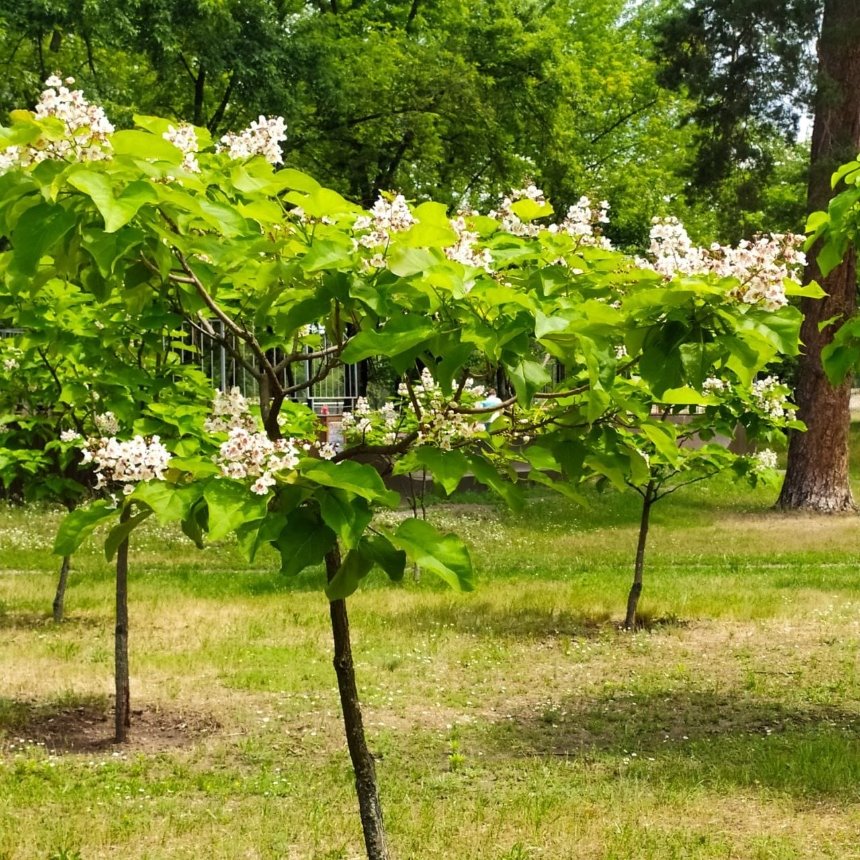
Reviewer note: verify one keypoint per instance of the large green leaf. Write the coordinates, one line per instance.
(37, 231)
(447, 467)
(352, 570)
(120, 532)
(79, 524)
(117, 210)
(443, 554)
(401, 334)
(143, 144)
(231, 504)
(485, 472)
(527, 378)
(358, 478)
(169, 502)
(304, 541)
(346, 514)
(385, 555)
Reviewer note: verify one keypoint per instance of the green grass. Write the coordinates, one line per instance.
(513, 722)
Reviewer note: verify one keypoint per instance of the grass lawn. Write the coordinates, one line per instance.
(513, 722)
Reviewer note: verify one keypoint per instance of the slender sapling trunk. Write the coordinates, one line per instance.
(639, 566)
(59, 604)
(366, 786)
(123, 704)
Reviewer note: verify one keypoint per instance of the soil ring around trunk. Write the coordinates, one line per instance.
(88, 728)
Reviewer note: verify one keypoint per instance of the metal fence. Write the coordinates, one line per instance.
(336, 392)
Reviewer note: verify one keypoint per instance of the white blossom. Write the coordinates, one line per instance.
(129, 462)
(184, 138)
(760, 265)
(87, 129)
(263, 136)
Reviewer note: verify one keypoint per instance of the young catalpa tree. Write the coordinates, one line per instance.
(277, 269)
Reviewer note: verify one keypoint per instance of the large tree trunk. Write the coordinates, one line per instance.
(366, 787)
(122, 717)
(817, 475)
(639, 565)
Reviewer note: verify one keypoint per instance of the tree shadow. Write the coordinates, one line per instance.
(45, 621)
(83, 723)
(516, 622)
(694, 737)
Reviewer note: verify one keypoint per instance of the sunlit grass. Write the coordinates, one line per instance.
(513, 722)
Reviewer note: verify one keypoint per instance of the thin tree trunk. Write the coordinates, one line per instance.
(639, 565)
(121, 674)
(59, 604)
(366, 786)
(816, 477)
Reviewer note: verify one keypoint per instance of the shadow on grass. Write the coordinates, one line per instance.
(83, 723)
(45, 621)
(686, 739)
(485, 619)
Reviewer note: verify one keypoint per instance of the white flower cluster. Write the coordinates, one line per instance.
(771, 396)
(184, 138)
(86, 125)
(10, 364)
(363, 420)
(384, 219)
(69, 436)
(128, 462)
(263, 136)
(465, 251)
(440, 424)
(107, 424)
(764, 461)
(760, 265)
(246, 454)
(714, 385)
(230, 411)
(512, 223)
(583, 222)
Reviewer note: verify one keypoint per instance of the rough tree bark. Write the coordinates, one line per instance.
(366, 786)
(816, 477)
(639, 565)
(122, 720)
(59, 604)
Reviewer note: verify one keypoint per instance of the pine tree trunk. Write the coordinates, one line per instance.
(59, 604)
(122, 720)
(366, 786)
(816, 477)
(639, 565)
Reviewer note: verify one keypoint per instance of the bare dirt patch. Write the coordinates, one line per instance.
(88, 728)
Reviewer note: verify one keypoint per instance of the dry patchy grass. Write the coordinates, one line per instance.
(515, 722)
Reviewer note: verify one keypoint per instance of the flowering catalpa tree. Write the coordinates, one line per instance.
(174, 227)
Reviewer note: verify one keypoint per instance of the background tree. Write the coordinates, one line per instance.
(816, 477)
